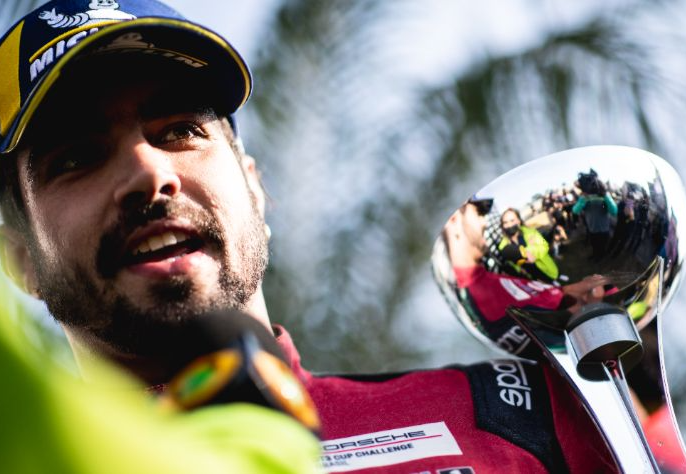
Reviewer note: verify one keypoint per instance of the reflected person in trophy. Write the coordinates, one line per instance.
(596, 206)
(525, 250)
(487, 295)
(632, 220)
(561, 222)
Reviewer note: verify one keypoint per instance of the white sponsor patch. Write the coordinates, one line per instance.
(514, 291)
(388, 447)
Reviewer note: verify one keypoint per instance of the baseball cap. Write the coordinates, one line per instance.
(35, 51)
(483, 205)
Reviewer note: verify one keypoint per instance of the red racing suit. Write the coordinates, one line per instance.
(498, 416)
(485, 297)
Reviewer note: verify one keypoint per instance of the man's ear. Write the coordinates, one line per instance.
(16, 260)
(252, 176)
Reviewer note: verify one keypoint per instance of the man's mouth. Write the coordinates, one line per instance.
(161, 239)
(158, 247)
(163, 246)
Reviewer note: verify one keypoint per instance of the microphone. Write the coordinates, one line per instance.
(228, 357)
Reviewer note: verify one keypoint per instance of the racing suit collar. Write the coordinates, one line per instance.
(285, 342)
(466, 276)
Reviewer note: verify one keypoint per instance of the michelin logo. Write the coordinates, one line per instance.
(100, 10)
(53, 52)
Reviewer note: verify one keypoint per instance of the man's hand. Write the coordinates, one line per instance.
(588, 290)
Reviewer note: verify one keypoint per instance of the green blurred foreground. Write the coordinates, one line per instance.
(54, 422)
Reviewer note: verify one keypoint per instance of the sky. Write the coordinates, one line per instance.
(443, 35)
(239, 21)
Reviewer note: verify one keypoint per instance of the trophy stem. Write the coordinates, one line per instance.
(614, 371)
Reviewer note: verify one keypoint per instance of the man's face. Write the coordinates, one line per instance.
(141, 213)
(474, 225)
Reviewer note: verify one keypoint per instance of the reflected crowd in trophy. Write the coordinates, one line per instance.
(587, 227)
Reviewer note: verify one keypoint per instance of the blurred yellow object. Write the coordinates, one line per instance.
(637, 309)
(53, 422)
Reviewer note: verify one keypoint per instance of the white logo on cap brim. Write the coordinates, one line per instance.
(129, 40)
(134, 42)
(101, 10)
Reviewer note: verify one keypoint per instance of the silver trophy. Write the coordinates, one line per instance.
(573, 257)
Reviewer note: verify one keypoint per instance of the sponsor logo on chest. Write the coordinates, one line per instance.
(384, 448)
(514, 340)
(513, 383)
(456, 470)
(523, 290)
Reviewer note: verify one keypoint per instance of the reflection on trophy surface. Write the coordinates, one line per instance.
(546, 243)
(524, 249)
(486, 295)
(555, 236)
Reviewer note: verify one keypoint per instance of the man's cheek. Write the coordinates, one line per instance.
(43, 248)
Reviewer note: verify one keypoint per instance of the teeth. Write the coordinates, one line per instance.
(157, 242)
(168, 238)
(143, 247)
(180, 237)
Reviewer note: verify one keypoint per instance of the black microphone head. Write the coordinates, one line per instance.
(210, 332)
(226, 357)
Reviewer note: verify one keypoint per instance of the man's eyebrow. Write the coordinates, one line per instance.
(166, 106)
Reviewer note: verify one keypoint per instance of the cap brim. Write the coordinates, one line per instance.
(177, 40)
(483, 206)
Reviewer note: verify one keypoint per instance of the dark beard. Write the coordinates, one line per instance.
(74, 299)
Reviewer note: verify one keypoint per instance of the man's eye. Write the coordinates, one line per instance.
(181, 131)
(71, 160)
(67, 164)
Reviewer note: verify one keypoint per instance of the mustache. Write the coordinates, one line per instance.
(112, 247)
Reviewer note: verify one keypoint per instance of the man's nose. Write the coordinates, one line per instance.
(148, 174)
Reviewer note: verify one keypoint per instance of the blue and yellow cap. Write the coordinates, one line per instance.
(38, 47)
